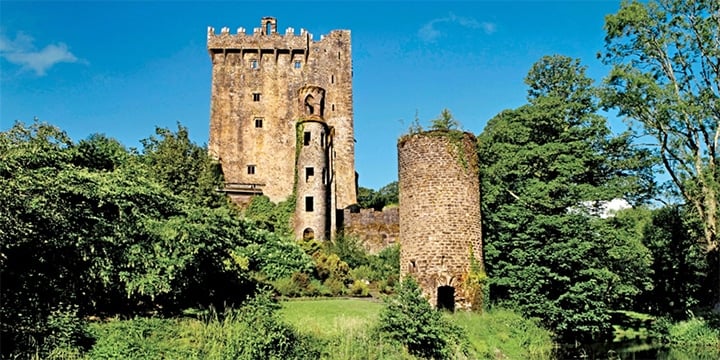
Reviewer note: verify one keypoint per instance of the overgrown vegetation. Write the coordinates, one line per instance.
(409, 320)
(104, 250)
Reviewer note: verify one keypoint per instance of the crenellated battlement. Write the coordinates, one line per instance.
(265, 37)
(281, 103)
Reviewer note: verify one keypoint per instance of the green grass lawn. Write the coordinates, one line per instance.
(336, 328)
(496, 333)
(328, 317)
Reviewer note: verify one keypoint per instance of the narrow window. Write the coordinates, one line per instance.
(256, 96)
(268, 28)
(333, 107)
(306, 138)
(258, 122)
(297, 64)
(332, 79)
(322, 139)
(309, 172)
(309, 203)
(253, 64)
(251, 169)
(324, 176)
(338, 54)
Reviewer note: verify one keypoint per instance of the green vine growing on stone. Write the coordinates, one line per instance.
(473, 282)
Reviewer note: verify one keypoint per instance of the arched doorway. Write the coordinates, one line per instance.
(308, 234)
(446, 298)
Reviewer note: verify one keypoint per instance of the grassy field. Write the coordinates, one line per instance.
(316, 328)
(327, 317)
(347, 323)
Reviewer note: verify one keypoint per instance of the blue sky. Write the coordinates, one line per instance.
(123, 68)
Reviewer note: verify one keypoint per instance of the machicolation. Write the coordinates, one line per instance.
(281, 120)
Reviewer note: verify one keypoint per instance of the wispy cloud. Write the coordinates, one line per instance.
(430, 32)
(21, 51)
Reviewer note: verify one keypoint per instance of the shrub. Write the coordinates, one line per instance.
(255, 331)
(694, 332)
(349, 250)
(334, 286)
(360, 288)
(330, 266)
(409, 319)
(65, 329)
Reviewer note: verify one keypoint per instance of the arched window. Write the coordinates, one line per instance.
(308, 234)
(309, 108)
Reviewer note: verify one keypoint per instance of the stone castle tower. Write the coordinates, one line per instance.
(440, 216)
(281, 120)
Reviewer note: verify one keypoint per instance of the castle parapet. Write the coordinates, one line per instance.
(265, 37)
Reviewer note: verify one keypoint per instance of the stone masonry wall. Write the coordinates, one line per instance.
(254, 106)
(376, 230)
(439, 213)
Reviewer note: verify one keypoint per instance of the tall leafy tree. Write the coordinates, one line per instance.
(544, 168)
(680, 267)
(183, 166)
(91, 228)
(666, 77)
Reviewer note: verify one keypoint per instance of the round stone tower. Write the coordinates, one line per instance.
(312, 167)
(440, 233)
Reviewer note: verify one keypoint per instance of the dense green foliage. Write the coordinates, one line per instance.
(410, 320)
(665, 76)
(255, 331)
(270, 216)
(91, 228)
(545, 168)
(386, 195)
(341, 267)
(681, 273)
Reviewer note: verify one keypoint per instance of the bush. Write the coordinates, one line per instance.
(65, 329)
(255, 331)
(409, 319)
(360, 288)
(694, 332)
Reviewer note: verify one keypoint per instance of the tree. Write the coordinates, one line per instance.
(386, 195)
(666, 77)
(183, 167)
(680, 267)
(409, 319)
(90, 228)
(543, 167)
(446, 121)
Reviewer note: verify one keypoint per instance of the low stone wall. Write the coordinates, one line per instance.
(375, 229)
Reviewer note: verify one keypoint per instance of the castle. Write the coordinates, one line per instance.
(281, 120)
(281, 125)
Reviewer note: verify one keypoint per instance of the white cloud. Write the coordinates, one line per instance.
(21, 51)
(430, 32)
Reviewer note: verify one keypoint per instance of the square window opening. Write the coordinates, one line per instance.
(251, 169)
(253, 64)
(309, 172)
(297, 64)
(258, 123)
(256, 96)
